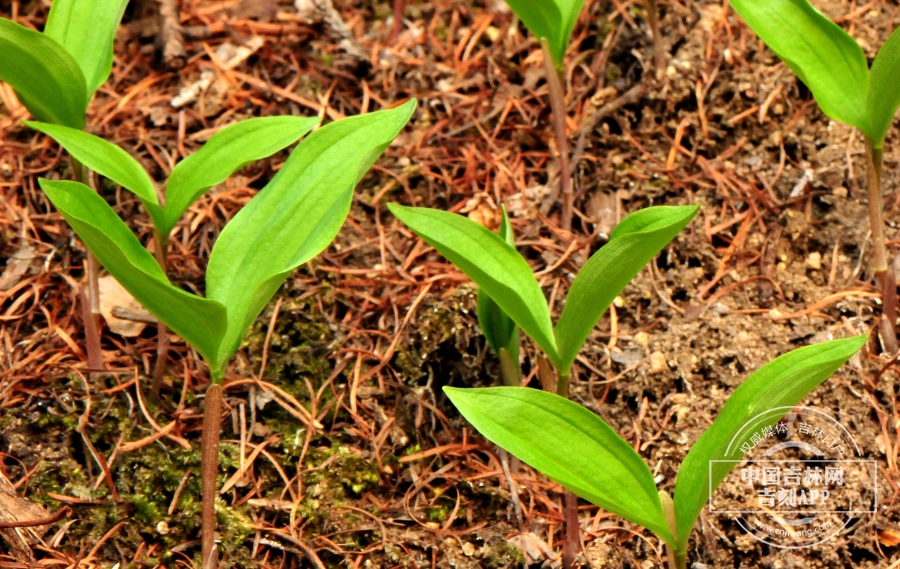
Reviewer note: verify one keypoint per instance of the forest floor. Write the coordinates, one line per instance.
(339, 448)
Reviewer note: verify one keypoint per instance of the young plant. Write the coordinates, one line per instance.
(553, 22)
(225, 152)
(583, 454)
(499, 330)
(504, 275)
(285, 225)
(835, 69)
(55, 75)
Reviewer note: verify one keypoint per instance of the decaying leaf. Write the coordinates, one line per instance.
(17, 265)
(115, 302)
(14, 508)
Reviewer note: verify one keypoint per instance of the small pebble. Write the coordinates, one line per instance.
(814, 261)
(658, 363)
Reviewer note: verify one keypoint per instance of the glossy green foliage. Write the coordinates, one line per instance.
(884, 88)
(199, 321)
(496, 267)
(783, 382)
(830, 63)
(499, 330)
(296, 215)
(287, 223)
(503, 274)
(87, 30)
(46, 78)
(569, 444)
(104, 158)
(227, 151)
(551, 19)
(633, 243)
(579, 450)
(55, 73)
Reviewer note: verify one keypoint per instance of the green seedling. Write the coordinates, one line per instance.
(499, 330)
(286, 224)
(504, 275)
(835, 69)
(553, 22)
(55, 74)
(583, 454)
(550, 21)
(225, 152)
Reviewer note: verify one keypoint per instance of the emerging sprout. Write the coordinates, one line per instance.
(225, 152)
(582, 453)
(834, 67)
(285, 225)
(504, 275)
(55, 74)
(499, 330)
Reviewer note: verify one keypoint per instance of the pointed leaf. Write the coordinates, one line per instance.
(884, 88)
(46, 79)
(488, 260)
(822, 54)
(199, 321)
(295, 216)
(102, 157)
(227, 151)
(781, 383)
(499, 329)
(569, 444)
(635, 241)
(551, 19)
(86, 29)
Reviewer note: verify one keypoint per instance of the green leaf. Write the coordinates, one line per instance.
(551, 19)
(46, 79)
(780, 383)
(499, 329)
(227, 151)
(102, 157)
(295, 216)
(635, 241)
(569, 444)
(87, 29)
(199, 321)
(884, 89)
(823, 55)
(491, 262)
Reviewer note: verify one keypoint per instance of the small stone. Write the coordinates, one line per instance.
(162, 528)
(642, 338)
(658, 363)
(840, 192)
(619, 302)
(468, 549)
(814, 261)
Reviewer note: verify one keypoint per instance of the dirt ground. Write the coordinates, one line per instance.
(363, 338)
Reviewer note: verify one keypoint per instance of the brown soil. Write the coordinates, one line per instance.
(365, 336)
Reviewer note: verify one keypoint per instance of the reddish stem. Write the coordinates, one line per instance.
(209, 470)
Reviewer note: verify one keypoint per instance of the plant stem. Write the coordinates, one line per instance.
(162, 338)
(882, 274)
(659, 52)
(676, 560)
(570, 500)
(558, 108)
(209, 469)
(397, 25)
(92, 314)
